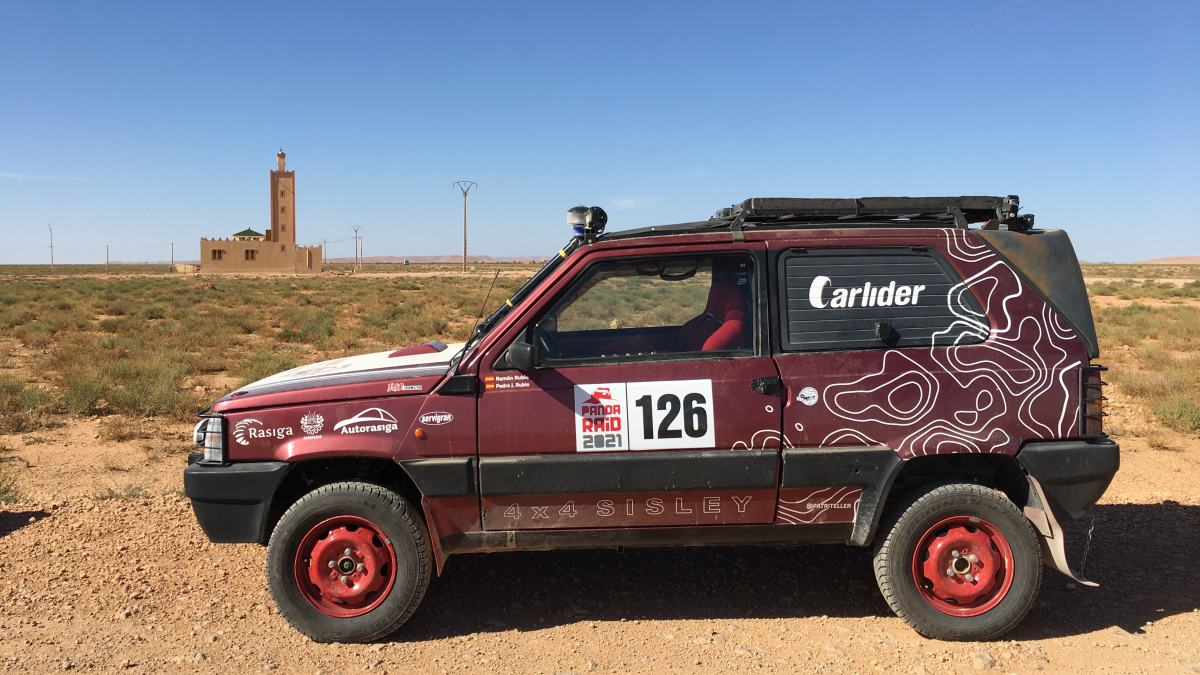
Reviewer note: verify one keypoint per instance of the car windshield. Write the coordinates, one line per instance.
(486, 324)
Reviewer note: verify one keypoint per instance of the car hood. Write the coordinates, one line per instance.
(412, 370)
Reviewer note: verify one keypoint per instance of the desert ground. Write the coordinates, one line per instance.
(103, 568)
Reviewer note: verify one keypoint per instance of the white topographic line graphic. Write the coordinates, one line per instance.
(1023, 362)
(806, 511)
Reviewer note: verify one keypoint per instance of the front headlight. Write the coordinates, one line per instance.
(210, 438)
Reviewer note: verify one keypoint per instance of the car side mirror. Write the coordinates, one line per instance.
(520, 355)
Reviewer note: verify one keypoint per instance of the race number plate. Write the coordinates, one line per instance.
(644, 415)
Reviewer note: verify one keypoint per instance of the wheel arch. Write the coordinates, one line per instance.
(307, 475)
(998, 471)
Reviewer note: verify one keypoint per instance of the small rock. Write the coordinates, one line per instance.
(982, 661)
(741, 651)
(271, 665)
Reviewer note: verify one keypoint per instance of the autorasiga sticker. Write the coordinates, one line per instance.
(644, 415)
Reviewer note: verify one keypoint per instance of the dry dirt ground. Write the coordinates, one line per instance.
(103, 568)
(129, 582)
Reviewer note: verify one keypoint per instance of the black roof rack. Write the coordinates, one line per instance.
(776, 212)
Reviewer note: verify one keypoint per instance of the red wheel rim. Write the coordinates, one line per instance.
(345, 566)
(963, 566)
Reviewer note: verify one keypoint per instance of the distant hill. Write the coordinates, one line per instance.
(1173, 260)
(428, 259)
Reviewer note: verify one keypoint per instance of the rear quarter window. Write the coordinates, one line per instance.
(873, 299)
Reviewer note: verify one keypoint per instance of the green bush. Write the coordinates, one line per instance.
(22, 407)
(147, 388)
(264, 363)
(1179, 413)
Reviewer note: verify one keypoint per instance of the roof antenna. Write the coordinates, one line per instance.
(479, 317)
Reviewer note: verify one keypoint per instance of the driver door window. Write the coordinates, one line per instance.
(650, 308)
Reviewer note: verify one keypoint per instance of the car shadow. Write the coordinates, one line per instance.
(11, 521)
(1141, 555)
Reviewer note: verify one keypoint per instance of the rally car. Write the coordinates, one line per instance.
(914, 375)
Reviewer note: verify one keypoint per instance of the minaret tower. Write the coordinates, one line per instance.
(283, 204)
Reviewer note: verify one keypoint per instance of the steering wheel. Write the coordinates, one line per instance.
(547, 342)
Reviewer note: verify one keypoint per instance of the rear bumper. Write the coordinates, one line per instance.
(231, 501)
(1073, 474)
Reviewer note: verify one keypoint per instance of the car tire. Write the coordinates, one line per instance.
(349, 562)
(958, 561)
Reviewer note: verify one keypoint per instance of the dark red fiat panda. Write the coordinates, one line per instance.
(910, 374)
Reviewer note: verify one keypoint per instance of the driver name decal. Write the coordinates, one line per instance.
(658, 415)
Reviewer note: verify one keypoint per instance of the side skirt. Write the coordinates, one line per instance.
(709, 535)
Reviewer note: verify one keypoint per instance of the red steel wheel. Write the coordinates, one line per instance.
(963, 566)
(345, 566)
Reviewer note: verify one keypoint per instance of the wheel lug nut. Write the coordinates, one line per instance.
(949, 571)
(973, 558)
(345, 579)
(954, 553)
(346, 552)
(969, 577)
(331, 564)
(361, 567)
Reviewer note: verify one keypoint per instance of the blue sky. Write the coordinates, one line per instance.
(138, 124)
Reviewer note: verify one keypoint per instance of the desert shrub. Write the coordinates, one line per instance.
(22, 407)
(1180, 413)
(150, 387)
(264, 363)
(305, 325)
(125, 492)
(9, 492)
(83, 396)
(118, 307)
(119, 324)
(154, 312)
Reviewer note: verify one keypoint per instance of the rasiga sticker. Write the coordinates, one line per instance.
(644, 415)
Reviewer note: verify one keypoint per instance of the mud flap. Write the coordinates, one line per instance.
(1054, 541)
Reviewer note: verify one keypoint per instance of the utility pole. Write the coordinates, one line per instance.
(357, 249)
(51, 244)
(106, 258)
(465, 186)
(172, 256)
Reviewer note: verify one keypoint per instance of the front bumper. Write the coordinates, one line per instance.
(232, 501)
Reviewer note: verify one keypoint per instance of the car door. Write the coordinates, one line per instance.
(651, 400)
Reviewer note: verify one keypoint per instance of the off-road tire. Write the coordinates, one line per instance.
(905, 528)
(395, 519)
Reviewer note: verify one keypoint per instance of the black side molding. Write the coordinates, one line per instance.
(667, 471)
(873, 467)
(1073, 474)
(442, 476)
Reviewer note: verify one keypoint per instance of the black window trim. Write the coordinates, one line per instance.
(779, 302)
(758, 302)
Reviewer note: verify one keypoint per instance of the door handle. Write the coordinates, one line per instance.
(767, 386)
